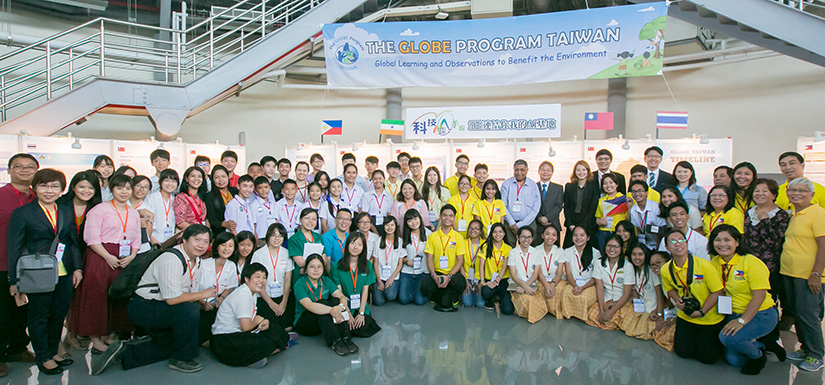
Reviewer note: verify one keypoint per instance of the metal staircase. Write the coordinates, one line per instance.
(114, 66)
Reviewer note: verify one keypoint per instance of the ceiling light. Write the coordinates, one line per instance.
(704, 139)
(76, 145)
(626, 145)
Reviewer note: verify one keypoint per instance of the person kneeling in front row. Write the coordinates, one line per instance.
(240, 336)
(445, 259)
(164, 305)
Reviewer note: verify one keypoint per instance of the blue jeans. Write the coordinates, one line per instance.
(743, 345)
(601, 239)
(379, 297)
(807, 309)
(409, 289)
(472, 298)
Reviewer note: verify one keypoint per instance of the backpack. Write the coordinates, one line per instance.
(126, 283)
(38, 272)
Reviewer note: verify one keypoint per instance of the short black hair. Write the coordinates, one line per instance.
(372, 159)
(638, 168)
(462, 156)
(48, 175)
(604, 151)
(246, 178)
(196, 229)
(347, 156)
(23, 155)
(728, 191)
(168, 174)
(448, 207)
(403, 155)
(794, 154)
(289, 181)
(140, 178)
(259, 180)
(201, 158)
(481, 166)
(276, 227)
(678, 203)
(520, 162)
(268, 158)
(253, 164)
(314, 157)
(348, 165)
(638, 182)
(654, 148)
(101, 159)
(742, 249)
(285, 161)
(229, 154)
(160, 153)
(416, 159)
(121, 180)
(250, 269)
(393, 164)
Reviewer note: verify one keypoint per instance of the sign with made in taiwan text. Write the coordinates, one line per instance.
(520, 121)
(598, 43)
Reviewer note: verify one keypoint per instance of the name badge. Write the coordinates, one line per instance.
(638, 305)
(609, 222)
(516, 207)
(443, 262)
(724, 305)
(462, 225)
(379, 220)
(495, 275)
(275, 290)
(385, 272)
(58, 253)
(471, 273)
(548, 277)
(168, 232)
(670, 314)
(432, 216)
(417, 263)
(355, 301)
(125, 248)
(580, 281)
(488, 229)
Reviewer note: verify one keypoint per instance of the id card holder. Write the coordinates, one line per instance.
(609, 222)
(385, 273)
(495, 275)
(462, 225)
(669, 314)
(355, 301)
(168, 232)
(417, 263)
(124, 249)
(443, 262)
(276, 290)
(580, 281)
(471, 273)
(724, 305)
(431, 214)
(379, 220)
(58, 253)
(516, 207)
(638, 305)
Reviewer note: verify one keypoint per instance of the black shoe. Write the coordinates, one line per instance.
(451, 309)
(51, 372)
(65, 362)
(351, 346)
(439, 308)
(340, 348)
(753, 367)
(779, 351)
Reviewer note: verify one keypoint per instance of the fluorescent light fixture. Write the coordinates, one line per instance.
(704, 139)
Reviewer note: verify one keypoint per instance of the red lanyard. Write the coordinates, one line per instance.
(392, 191)
(408, 207)
(474, 251)
(379, 203)
(226, 197)
(525, 262)
(713, 220)
(498, 258)
(490, 209)
(687, 289)
(340, 244)
(643, 219)
(578, 259)
(193, 204)
(291, 216)
(613, 278)
(725, 272)
(415, 242)
(350, 196)
(388, 251)
(52, 220)
(354, 278)
(243, 206)
(122, 222)
(320, 293)
(641, 282)
(218, 280)
(17, 195)
(138, 206)
(518, 189)
(463, 202)
(274, 263)
(547, 263)
(304, 194)
(167, 205)
(265, 203)
(192, 274)
(444, 247)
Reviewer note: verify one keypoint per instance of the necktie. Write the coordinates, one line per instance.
(543, 190)
(651, 179)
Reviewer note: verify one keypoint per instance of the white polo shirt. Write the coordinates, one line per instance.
(416, 250)
(549, 262)
(227, 278)
(265, 212)
(320, 208)
(351, 197)
(388, 258)
(167, 273)
(649, 216)
(288, 215)
(697, 245)
(580, 273)
(164, 225)
(644, 284)
(377, 204)
(277, 266)
(238, 210)
(241, 303)
(524, 263)
(614, 278)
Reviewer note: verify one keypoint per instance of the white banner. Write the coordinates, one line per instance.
(518, 121)
(704, 157)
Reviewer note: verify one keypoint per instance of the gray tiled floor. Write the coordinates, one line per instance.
(419, 345)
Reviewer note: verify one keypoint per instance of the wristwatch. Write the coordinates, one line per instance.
(815, 274)
(361, 314)
(741, 321)
(702, 312)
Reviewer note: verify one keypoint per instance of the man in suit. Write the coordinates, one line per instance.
(604, 158)
(656, 178)
(552, 198)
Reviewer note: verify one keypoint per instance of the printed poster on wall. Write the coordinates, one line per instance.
(431, 154)
(814, 154)
(567, 153)
(475, 122)
(297, 154)
(623, 159)
(8, 147)
(57, 152)
(381, 151)
(704, 157)
(136, 155)
(213, 151)
(598, 43)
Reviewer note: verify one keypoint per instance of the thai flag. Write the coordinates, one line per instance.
(598, 121)
(31, 146)
(615, 206)
(671, 120)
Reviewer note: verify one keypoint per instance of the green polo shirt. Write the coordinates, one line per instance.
(295, 246)
(344, 279)
(304, 289)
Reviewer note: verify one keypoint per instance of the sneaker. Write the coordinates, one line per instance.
(258, 364)
(351, 346)
(799, 355)
(439, 308)
(103, 360)
(451, 309)
(293, 340)
(187, 366)
(340, 348)
(811, 364)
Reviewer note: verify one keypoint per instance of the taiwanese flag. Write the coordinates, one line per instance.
(617, 205)
(598, 121)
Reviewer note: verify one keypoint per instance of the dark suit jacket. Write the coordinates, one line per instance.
(590, 199)
(665, 179)
(622, 188)
(552, 204)
(215, 210)
(30, 231)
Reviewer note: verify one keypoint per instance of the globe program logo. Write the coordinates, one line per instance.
(347, 54)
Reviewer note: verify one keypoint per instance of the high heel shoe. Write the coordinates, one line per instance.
(51, 372)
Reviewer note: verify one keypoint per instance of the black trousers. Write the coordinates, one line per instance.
(244, 348)
(505, 300)
(13, 337)
(172, 329)
(284, 320)
(46, 314)
(311, 324)
(207, 318)
(698, 341)
(447, 296)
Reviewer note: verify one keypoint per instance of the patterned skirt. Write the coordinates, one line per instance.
(664, 337)
(533, 307)
(638, 325)
(613, 323)
(577, 306)
(554, 303)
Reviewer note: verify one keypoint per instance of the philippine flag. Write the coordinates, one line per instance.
(598, 120)
(671, 120)
(332, 127)
(614, 206)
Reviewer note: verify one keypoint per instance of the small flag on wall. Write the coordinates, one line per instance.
(671, 120)
(332, 127)
(392, 127)
(598, 120)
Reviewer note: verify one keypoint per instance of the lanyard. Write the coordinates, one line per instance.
(354, 278)
(340, 244)
(547, 263)
(525, 262)
(138, 206)
(613, 278)
(688, 274)
(167, 205)
(304, 194)
(643, 220)
(122, 222)
(393, 191)
(641, 281)
(192, 203)
(463, 202)
(498, 258)
(408, 207)
(474, 250)
(291, 216)
(243, 206)
(432, 201)
(578, 260)
(379, 203)
(489, 209)
(218, 280)
(52, 220)
(266, 204)
(350, 196)
(192, 274)
(388, 251)
(518, 189)
(444, 246)
(226, 197)
(274, 263)
(320, 293)
(713, 220)
(725, 275)
(416, 242)
(17, 195)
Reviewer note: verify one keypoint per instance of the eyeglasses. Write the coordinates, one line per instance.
(612, 247)
(637, 191)
(364, 222)
(201, 164)
(26, 168)
(463, 163)
(142, 187)
(677, 241)
(798, 190)
(53, 186)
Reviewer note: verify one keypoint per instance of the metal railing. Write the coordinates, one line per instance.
(119, 49)
(815, 7)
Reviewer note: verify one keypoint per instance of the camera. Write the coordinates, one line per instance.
(691, 305)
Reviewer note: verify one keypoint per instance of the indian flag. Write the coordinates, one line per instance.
(617, 205)
(392, 127)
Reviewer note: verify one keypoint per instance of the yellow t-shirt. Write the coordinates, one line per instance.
(785, 204)
(450, 245)
(464, 208)
(740, 277)
(651, 194)
(489, 213)
(706, 280)
(799, 250)
(472, 258)
(476, 192)
(733, 217)
(742, 204)
(452, 184)
(498, 260)
(393, 188)
(616, 218)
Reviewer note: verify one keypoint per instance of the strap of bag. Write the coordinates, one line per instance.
(53, 248)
